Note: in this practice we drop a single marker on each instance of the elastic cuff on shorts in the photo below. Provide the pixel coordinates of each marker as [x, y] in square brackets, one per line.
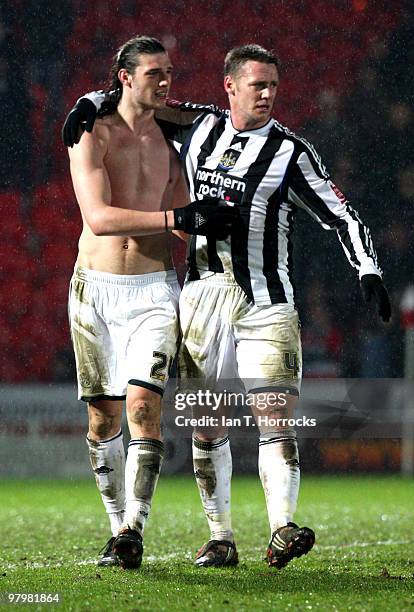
[285, 390]
[90, 398]
[146, 385]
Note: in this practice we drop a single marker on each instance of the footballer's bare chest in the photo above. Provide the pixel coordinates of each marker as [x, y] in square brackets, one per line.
[139, 169]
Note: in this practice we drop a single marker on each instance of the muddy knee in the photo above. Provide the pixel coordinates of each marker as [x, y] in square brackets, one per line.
[104, 420]
[144, 416]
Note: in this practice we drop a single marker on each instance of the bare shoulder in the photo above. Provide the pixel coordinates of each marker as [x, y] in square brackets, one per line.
[93, 144]
[103, 125]
[103, 130]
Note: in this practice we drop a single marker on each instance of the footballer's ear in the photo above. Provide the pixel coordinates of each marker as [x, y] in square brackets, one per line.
[229, 85]
[124, 77]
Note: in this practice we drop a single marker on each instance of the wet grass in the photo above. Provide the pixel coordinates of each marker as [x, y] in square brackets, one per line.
[363, 559]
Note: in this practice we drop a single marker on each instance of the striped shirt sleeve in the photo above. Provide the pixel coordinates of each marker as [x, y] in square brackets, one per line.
[97, 97]
[310, 188]
[179, 120]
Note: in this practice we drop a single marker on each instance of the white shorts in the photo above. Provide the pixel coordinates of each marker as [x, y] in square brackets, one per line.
[226, 338]
[124, 331]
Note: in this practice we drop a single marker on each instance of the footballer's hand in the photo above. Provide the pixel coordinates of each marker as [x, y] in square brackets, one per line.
[373, 287]
[81, 117]
[207, 217]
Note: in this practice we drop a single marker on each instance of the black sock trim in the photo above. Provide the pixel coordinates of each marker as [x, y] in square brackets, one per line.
[209, 446]
[146, 385]
[147, 443]
[118, 435]
[274, 440]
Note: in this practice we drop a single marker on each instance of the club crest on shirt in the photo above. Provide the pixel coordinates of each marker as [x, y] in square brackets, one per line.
[230, 156]
[228, 160]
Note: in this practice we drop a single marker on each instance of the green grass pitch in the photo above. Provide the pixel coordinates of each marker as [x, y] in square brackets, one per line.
[363, 558]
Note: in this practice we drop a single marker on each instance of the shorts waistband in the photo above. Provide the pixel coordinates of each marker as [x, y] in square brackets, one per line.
[217, 278]
[124, 280]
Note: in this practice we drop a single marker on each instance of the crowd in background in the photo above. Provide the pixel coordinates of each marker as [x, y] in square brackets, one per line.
[366, 139]
[347, 86]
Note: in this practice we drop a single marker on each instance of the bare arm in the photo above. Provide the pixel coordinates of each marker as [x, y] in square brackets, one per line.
[93, 192]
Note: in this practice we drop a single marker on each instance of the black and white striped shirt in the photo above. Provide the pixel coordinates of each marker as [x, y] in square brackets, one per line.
[268, 173]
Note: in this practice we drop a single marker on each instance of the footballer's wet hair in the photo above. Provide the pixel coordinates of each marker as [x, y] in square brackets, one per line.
[127, 57]
[237, 57]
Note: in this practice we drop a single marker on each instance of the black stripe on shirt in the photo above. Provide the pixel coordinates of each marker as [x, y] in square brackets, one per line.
[240, 238]
[271, 250]
[291, 216]
[214, 262]
[210, 142]
[193, 273]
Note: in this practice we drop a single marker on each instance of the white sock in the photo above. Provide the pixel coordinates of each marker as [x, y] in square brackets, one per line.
[280, 475]
[142, 469]
[107, 459]
[213, 469]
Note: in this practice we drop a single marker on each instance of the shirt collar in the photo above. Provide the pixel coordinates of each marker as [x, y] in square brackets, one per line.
[262, 131]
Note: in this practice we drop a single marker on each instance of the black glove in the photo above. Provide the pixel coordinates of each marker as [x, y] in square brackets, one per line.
[83, 116]
[372, 286]
[207, 217]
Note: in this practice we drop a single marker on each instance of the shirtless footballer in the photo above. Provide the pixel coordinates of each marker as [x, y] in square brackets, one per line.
[124, 291]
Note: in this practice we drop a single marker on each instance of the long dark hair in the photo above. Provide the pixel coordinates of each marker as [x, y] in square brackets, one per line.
[127, 57]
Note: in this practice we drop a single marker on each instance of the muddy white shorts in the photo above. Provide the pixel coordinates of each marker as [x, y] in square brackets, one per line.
[124, 331]
[226, 338]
